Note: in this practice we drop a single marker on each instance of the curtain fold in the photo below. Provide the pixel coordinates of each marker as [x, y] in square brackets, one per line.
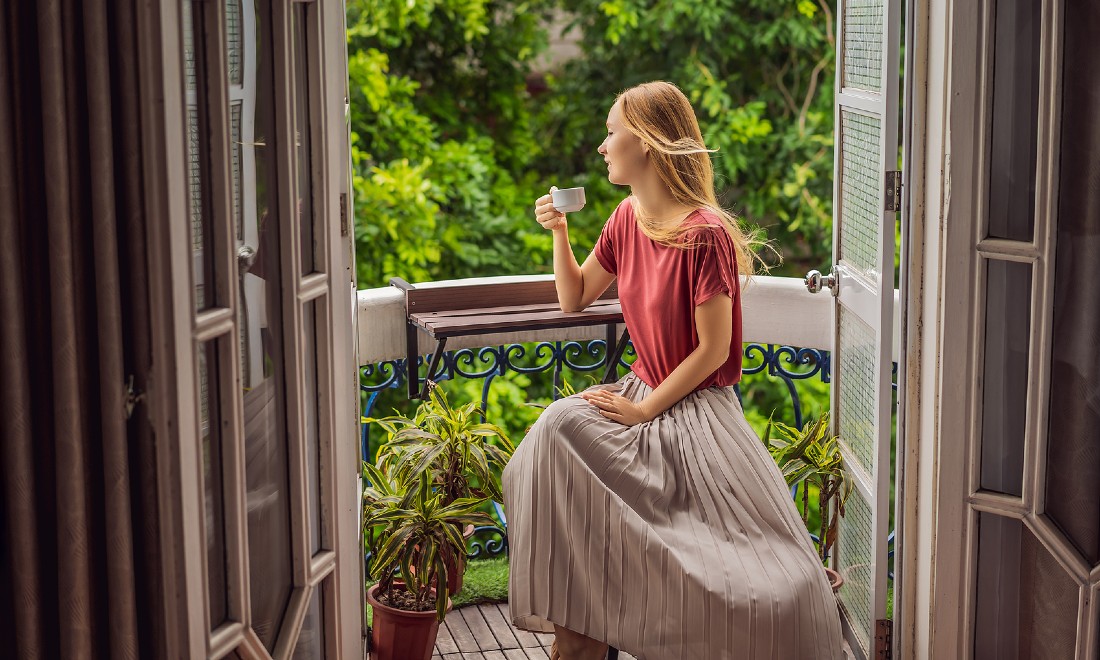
[78, 535]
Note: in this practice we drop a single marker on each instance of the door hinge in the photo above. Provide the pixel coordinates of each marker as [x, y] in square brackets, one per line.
[884, 639]
[343, 214]
[893, 190]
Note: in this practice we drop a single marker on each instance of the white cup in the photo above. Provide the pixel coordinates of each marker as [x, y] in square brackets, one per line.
[568, 200]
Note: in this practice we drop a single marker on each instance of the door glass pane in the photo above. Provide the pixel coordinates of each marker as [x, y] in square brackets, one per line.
[262, 342]
[213, 500]
[1073, 450]
[313, 462]
[202, 256]
[1026, 603]
[303, 94]
[1014, 124]
[1004, 386]
[311, 641]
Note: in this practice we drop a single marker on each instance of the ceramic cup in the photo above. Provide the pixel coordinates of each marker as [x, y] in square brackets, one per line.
[568, 199]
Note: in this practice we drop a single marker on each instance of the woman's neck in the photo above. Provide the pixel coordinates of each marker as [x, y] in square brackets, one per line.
[656, 202]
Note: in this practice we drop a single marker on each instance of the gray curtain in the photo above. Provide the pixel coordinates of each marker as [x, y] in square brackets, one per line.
[78, 567]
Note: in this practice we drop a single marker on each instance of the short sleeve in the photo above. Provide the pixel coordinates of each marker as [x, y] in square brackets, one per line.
[714, 266]
[605, 246]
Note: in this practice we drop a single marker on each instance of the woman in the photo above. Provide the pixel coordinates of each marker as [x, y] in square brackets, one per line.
[647, 514]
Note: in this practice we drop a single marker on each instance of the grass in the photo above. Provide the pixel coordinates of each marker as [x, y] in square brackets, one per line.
[485, 581]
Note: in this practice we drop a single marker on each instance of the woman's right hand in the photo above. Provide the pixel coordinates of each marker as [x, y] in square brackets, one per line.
[546, 214]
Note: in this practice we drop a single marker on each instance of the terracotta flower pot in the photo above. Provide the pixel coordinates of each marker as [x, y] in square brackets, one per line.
[398, 634]
[455, 573]
[835, 579]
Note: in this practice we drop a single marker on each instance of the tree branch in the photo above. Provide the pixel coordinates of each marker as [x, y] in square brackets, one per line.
[818, 68]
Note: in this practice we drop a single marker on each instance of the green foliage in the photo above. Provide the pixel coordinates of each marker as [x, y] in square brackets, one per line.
[462, 457]
[760, 76]
[409, 530]
[811, 456]
[485, 581]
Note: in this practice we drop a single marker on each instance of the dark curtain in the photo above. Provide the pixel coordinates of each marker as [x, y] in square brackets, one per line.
[78, 567]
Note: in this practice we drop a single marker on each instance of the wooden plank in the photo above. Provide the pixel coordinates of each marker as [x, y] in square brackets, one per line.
[529, 314]
[460, 632]
[525, 638]
[475, 325]
[485, 638]
[440, 298]
[515, 654]
[494, 655]
[537, 653]
[500, 626]
[444, 643]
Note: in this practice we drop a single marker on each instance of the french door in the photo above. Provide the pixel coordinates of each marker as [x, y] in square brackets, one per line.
[865, 198]
[267, 534]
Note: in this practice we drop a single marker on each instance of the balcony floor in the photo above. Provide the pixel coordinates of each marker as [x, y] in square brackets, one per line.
[484, 631]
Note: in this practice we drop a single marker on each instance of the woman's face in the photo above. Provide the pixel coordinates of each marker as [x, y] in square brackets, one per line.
[623, 151]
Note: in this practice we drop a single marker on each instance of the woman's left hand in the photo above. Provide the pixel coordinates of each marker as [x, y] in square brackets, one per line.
[616, 407]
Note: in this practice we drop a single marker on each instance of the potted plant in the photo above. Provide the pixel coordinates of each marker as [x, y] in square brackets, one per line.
[408, 530]
[462, 456]
[812, 456]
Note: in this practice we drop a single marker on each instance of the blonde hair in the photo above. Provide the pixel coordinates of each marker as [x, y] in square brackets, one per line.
[662, 117]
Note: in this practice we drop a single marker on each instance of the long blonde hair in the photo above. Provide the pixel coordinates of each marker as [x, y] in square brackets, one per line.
[662, 117]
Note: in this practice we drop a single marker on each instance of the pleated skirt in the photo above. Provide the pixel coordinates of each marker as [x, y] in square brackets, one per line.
[675, 538]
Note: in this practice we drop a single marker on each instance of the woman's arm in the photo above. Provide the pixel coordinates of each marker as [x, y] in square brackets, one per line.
[714, 324]
[578, 286]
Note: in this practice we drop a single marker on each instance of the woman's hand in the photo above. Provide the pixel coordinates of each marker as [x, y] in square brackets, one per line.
[547, 215]
[617, 407]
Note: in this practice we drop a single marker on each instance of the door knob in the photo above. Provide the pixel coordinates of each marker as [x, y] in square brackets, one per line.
[246, 256]
[815, 281]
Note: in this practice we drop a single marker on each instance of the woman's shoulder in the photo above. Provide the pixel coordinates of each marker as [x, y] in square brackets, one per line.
[704, 224]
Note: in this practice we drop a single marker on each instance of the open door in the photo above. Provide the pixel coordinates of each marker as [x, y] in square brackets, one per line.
[261, 468]
[865, 199]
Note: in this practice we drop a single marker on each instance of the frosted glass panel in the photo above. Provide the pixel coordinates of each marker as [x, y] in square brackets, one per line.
[861, 185]
[856, 377]
[863, 44]
[855, 563]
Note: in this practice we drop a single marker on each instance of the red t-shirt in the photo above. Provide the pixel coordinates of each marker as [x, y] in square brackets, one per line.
[659, 287]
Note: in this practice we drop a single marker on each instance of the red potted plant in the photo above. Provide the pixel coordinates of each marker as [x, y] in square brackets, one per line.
[462, 456]
[408, 529]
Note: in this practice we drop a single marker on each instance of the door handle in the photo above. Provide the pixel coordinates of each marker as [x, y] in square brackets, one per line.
[815, 281]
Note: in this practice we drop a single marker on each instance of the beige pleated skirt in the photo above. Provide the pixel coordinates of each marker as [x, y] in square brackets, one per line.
[672, 539]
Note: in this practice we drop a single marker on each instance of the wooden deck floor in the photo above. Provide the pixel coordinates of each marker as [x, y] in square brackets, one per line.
[485, 632]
